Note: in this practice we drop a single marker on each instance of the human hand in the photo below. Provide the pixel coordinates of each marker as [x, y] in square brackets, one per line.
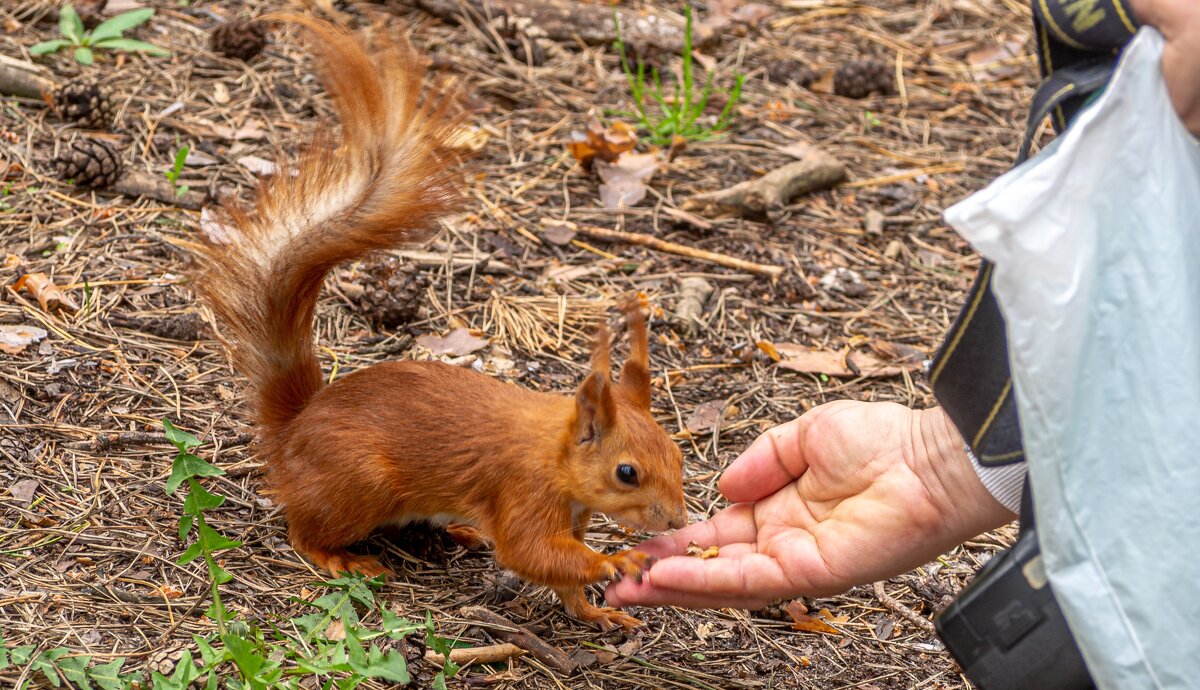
[848, 493]
[1179, 22]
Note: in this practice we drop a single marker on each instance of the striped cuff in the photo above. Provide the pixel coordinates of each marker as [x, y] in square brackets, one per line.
[1004, 482]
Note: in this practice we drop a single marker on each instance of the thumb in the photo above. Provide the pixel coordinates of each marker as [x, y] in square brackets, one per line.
[774, 460]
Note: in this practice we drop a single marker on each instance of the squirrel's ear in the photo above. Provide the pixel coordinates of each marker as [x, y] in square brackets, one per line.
[595, 409]
[635, 375]
[594, 406]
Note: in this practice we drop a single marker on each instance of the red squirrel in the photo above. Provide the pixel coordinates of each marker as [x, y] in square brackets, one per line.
[405, 441]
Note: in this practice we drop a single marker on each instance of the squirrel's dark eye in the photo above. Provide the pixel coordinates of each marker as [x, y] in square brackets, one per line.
[627, 474]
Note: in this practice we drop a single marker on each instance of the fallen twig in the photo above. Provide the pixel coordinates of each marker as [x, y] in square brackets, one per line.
[902, 610]
[574, 21]
[24, 79]
[135, 183]
[511, 632]
[465, 656]
[105, 442]
[817, 170]
[681, 249]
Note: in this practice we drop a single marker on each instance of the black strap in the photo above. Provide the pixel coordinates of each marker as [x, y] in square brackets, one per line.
[1078, 42]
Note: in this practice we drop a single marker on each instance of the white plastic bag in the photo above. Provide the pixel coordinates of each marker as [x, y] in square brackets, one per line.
[1097, 250]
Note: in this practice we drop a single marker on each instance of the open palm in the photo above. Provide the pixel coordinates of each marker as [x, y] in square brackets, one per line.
[846, 494]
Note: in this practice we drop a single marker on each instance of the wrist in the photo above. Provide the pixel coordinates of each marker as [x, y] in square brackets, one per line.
[941, 460]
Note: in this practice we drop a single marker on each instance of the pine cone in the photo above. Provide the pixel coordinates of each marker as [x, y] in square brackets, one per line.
[90, 163]
[861, 78]
[392, 291]
[791, 71]
[86, 103]
[240, 39]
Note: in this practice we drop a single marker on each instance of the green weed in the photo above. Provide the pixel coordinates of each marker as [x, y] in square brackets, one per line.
[680, 116]
[107, 36]
[177, 169]
[332, 645]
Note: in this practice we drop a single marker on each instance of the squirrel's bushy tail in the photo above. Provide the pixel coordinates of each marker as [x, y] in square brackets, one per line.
[382, 183]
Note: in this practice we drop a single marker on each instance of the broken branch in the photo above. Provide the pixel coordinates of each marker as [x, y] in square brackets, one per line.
[24, 79]
[681, 249]
[817, 170]
[135, 183]
[521, 637]
[465, 656]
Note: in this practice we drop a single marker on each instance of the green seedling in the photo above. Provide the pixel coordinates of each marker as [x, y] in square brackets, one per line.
[177, 170]
[679, 116]
[107, 36]
[346, 640]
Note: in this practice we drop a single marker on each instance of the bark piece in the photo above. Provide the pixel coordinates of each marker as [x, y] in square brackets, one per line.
[511, 632]
[566, 21]
[817, 170]
[24, 79]
[682, 250]
[137, 183]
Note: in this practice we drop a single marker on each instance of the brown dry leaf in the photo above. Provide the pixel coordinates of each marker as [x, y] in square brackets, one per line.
[14, 339]
[23, 491]
[336, 630]
[824, 84]
[606, 655]
[803, 621]
[812, 361]
[559, 232]
[705, 416]
[995, 61]
[770, 350]
[604, 144]
[10, 261]
[168, 591]
[630, 647]
[625, 180]
[897, 353]
[457, 343]
[49, 295]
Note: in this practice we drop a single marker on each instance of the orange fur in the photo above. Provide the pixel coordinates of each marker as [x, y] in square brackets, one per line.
[406, 441]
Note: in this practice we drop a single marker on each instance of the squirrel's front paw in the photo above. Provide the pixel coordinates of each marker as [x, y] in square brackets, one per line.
[629, 564]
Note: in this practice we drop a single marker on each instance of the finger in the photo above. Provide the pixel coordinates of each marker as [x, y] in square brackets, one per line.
[629, 593]
[732, 525]
[752, 575]
[769, 464]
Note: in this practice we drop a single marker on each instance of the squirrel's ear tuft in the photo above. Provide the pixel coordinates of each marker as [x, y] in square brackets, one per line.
[635, 375]
[595, 409]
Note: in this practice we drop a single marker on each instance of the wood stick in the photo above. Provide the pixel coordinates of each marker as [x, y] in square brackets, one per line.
[756, 198]
[465, 656]
[24, 79]
[905, 612]
[521, 637]
[568, 21]
[137, 183]
[681, 249]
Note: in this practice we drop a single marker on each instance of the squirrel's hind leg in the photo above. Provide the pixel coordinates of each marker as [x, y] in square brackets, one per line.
[339, 562]
[468, 536]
